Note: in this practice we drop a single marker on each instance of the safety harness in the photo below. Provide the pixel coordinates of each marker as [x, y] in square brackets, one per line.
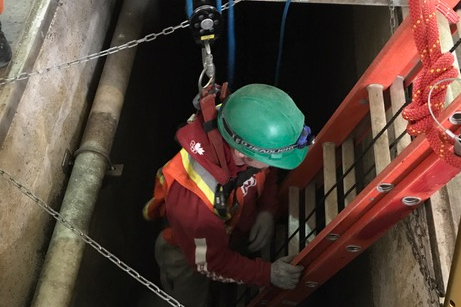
[209, 101]
[206, 23]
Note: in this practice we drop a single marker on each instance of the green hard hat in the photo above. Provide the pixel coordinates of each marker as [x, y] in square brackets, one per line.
[263, 122]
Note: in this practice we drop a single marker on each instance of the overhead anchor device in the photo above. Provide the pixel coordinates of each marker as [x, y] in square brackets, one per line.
[206, 23]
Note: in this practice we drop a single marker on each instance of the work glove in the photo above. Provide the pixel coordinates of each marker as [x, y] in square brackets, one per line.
[261, 232]
[285, 275]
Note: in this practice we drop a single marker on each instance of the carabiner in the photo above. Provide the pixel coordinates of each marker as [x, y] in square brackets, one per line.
[208, 68]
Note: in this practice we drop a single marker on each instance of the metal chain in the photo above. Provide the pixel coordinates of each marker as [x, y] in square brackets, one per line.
[112, 50]
[416, 232]
[94, 56]
[154, 288]
[393, 20]
[56, 215]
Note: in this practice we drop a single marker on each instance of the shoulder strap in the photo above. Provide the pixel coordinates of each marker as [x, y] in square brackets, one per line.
[223, 192]
[241, 178]
[208, 108]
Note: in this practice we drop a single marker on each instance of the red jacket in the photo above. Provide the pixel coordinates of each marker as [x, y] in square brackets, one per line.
[185, 195]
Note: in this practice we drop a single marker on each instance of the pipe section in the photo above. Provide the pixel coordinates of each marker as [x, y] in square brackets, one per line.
[61, 266]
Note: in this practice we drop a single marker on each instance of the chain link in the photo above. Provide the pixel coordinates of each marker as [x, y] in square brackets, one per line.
[56, 215]
[133, 273]
[416, 232]
[148, 38]
[94, 56]
[393, 20]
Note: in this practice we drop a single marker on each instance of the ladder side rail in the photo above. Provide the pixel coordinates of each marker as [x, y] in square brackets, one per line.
[400, 261]
[421, 177]
[417, 151]
[398, 57]
[419, 185]
[397, 171]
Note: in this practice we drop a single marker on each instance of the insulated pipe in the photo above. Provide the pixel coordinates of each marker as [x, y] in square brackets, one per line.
[60, 270]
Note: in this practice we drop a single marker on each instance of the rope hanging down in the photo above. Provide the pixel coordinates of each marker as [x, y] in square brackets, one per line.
[437, 73]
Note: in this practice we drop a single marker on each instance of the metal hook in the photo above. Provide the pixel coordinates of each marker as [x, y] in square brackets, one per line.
[208, 67]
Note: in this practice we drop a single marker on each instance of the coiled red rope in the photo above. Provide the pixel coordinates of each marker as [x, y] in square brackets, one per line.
[437, 66]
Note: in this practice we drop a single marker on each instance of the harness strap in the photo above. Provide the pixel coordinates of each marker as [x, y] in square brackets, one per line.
[208, 108]
[223, 192]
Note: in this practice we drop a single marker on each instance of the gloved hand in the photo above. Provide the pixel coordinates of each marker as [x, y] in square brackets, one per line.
[261, 232]
[285, 275]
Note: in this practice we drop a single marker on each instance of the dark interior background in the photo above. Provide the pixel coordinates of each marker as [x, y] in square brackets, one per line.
[317, 70]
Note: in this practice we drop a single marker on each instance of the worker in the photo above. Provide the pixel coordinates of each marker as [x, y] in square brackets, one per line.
[5, 48]
[262, 130]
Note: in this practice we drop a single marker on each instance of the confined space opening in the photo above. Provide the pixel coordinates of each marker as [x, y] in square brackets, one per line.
[317, 71]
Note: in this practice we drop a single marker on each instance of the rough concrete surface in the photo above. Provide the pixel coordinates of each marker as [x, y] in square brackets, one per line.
[48, 111]
[47, 122]
[394, 271]
[14, 17]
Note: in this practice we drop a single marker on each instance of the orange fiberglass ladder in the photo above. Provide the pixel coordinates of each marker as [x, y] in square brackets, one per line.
[415, 175]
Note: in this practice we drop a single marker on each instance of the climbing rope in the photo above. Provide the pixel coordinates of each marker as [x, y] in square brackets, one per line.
[230, 45]
[281, 41]
[432, 82]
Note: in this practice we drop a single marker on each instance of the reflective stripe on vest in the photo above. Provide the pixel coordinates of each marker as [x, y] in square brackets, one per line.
[190, 174]
[198, 174]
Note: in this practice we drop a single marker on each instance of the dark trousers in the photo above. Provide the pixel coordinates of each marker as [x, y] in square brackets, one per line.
[178, 278]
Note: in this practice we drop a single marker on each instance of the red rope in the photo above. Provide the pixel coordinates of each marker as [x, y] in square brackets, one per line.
[436, 67]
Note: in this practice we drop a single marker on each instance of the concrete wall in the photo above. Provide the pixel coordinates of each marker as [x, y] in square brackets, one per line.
[42, 118]
[393, 271]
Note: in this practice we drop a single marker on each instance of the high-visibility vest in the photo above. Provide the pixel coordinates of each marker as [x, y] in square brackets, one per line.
[194, 177]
